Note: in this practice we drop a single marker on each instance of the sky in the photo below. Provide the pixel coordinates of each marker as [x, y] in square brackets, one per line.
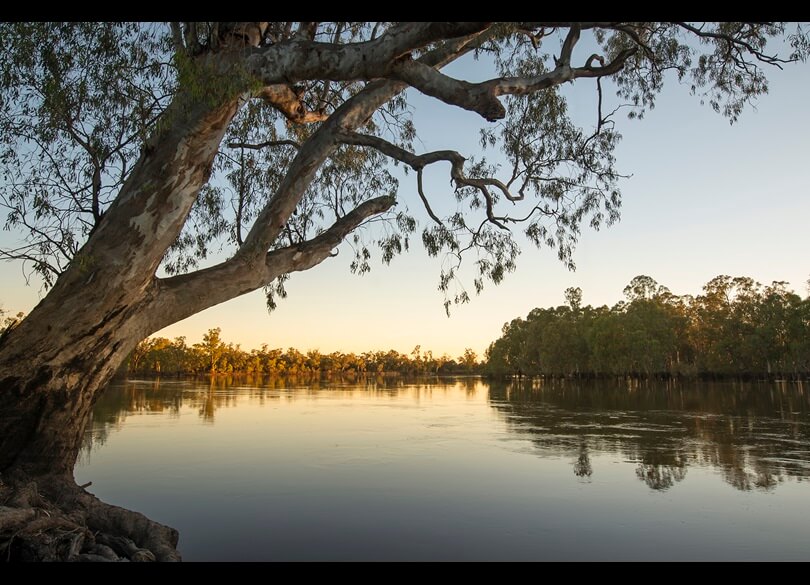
[705, 198]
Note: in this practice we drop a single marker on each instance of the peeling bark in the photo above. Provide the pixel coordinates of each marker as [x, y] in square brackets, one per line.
[302, 59]
[287, 100]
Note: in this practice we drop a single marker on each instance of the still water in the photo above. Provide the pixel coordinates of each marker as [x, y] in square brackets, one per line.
[460, 469]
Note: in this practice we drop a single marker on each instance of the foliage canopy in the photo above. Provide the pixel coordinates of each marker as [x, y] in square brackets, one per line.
[81, 102]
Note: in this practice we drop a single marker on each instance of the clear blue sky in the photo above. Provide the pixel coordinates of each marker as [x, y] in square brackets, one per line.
[705, 198]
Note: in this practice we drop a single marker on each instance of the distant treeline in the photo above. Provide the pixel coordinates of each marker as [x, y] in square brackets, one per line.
[159, 355]
[736, 328]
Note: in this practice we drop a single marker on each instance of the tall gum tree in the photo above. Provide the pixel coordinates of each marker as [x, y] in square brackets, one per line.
[131, 150]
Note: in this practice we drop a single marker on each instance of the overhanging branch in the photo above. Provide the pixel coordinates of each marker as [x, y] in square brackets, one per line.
[300, 59]
[389, 56]
[184, 295]
[418, 162]
[307, 254]
[482, 97]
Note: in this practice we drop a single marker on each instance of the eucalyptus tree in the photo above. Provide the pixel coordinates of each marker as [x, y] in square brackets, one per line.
[131, 151]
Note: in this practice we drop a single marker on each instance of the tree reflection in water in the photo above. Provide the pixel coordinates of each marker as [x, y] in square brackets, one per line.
[755, 435]
[582, 466]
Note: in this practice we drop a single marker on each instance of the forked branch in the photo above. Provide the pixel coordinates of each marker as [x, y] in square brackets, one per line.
[287, 100]
[419, 162]
[482, 98]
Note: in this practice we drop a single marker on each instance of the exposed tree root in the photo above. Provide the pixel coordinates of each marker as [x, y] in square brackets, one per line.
[53, 519]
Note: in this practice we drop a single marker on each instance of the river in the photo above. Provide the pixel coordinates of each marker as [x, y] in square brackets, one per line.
[459, 469]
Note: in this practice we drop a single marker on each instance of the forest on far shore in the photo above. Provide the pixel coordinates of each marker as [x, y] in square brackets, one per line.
[736, 328]
[159, 355]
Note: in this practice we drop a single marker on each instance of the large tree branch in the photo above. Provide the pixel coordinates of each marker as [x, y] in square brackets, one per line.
[476, 97]
[299, 60]
[482, 98]
[187, 294]
[568, 45]
[253, 266]
[390, 57]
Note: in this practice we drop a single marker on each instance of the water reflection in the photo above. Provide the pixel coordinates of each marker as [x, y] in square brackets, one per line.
[756, 435]
[582, 466]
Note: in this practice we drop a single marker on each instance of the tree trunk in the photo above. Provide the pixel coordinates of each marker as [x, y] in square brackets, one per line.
[54, 365]
[51, 373]
[46, 396]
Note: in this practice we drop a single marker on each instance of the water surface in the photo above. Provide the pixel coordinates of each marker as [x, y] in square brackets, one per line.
[460, 469]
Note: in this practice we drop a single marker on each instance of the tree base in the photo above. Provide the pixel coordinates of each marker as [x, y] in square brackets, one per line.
[53, 519]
